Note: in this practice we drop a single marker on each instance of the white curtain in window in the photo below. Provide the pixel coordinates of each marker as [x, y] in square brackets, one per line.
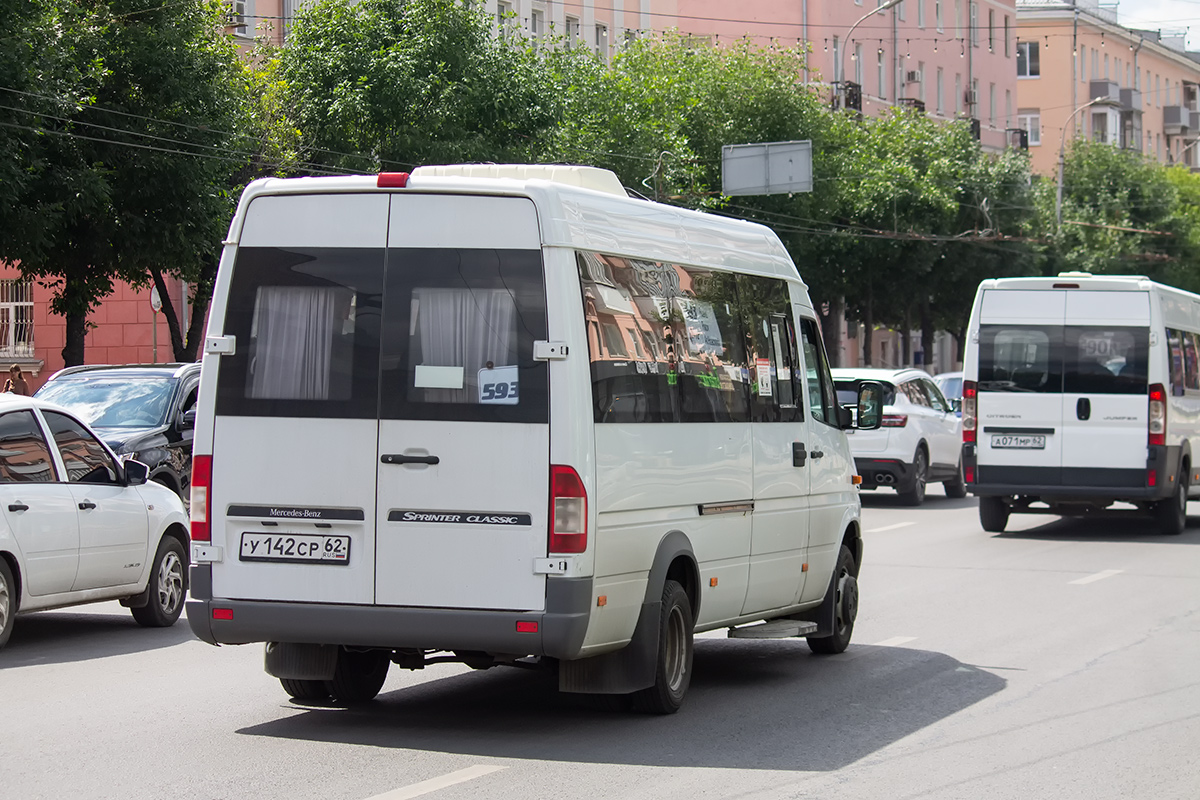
[294, 330]
[464, 328]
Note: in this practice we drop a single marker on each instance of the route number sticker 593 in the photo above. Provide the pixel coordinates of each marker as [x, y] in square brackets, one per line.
[498, 386]
[295, 548]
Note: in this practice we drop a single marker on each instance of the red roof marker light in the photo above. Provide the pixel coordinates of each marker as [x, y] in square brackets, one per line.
[392, 180]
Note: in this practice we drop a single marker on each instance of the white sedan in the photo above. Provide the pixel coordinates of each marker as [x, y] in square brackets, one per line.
[78, 525]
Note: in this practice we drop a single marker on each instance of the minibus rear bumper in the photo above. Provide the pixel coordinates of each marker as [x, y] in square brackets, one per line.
[1078, 484]
[557, 632]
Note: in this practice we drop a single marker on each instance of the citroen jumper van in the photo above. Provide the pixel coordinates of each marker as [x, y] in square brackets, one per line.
[1081, 392]
[510, 414]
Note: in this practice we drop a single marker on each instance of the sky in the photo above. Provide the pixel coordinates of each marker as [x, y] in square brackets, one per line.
[1167, 15]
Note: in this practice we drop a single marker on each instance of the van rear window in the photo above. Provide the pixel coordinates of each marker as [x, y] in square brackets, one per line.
[1073, 359]
[1019, 358]
[1105, 360]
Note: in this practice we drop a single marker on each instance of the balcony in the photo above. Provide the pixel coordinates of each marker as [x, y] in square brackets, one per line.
[1175, 120]
[1131, 100]
[1107, 90]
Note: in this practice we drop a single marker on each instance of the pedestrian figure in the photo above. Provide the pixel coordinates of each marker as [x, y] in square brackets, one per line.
[16, 382]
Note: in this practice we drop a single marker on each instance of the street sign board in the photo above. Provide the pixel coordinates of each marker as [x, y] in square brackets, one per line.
[767, 168]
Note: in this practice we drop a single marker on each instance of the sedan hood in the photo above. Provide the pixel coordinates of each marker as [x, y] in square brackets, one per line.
[124, 440]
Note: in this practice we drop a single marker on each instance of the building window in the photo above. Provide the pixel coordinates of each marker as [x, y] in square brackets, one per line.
[921, 81]
[920, 13]
[992, 104]
[1029, 62]
[1106, 66]
[503, 12]
[937, 15]
[1030, 121]
[1095, 64]
[16, 318]
[1083, 63]
[958, 19]
[941, 79]
[901, 11]
[572, 31]
[536, 24]
[858, 68]
[1007, 108]
[991, 31]
[1006, 37]
[974, 25]
[881, 72]
[958, 95]
[241, 17]
[602, 41]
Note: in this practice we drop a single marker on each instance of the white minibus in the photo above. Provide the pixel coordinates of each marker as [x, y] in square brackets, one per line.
[1081, 392]
[511, 415]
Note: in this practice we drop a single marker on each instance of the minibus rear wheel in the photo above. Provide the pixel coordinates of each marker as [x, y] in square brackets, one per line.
[304, 690]
[359, 675]
[1172, 512]
[673, 670]
[993, 514]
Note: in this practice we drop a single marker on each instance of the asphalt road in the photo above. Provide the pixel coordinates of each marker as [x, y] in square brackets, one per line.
[1058, 660]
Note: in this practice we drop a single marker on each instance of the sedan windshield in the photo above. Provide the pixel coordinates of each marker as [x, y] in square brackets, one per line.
[113, 403]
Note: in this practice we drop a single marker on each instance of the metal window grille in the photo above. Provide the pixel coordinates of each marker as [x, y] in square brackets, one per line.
[16, 318]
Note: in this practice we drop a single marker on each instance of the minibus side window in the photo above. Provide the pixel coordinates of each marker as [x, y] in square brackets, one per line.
[822, 401]
[766, 312]
[1175, 348]
[1190, 365]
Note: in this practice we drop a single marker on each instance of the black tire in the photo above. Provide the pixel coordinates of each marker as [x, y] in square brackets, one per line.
[1172, 512]
[993, 514]
[8, 602]
[673, 670]
[168, 585]
[957, 488]
[844, 586]
[915, 494]
[305, 690]
[359, 675]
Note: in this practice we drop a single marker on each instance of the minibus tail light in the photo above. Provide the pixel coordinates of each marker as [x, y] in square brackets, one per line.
[568, 511]
[968, 411]
[200, 510]
[1157, 429]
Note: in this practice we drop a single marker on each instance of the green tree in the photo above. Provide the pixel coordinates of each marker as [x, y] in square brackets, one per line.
[126, 170]
[388, 84]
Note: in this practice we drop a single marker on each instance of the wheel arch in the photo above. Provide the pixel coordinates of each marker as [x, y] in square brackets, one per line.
[674, 560]
[852, 540]
[11, 560]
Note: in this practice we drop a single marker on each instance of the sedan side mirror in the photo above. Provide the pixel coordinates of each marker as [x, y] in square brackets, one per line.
[187, 420]
[870, 405]
[136, 473]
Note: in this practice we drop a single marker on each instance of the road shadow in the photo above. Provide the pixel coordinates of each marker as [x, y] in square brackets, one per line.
[886, 498]
[752, 705]
[59, 637]
[1116, 526]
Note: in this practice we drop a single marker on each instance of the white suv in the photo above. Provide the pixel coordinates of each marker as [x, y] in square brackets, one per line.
[920, 439]
[77, 525]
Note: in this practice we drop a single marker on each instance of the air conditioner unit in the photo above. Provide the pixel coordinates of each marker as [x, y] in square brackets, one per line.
[969, 97]
[912, 76]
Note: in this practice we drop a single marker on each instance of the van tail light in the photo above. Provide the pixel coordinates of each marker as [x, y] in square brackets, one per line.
[894, 420]
[968, 411]
[568, 511]
[200, 510]
[1157, 427]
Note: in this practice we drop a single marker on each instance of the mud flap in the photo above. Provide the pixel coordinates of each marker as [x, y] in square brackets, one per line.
[824, 615]
[301, 662]
[624, 671]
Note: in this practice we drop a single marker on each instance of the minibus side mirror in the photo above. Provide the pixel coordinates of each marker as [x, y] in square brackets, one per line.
[870, 405]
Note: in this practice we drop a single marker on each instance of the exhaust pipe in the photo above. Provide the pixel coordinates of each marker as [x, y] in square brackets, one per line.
[884, 477]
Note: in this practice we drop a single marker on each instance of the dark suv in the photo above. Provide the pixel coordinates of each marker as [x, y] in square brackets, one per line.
[140, 411]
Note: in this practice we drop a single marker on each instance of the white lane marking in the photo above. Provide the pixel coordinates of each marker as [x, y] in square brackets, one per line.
[1099, 576]
[895, 641]
[891, 527]
[434, 784]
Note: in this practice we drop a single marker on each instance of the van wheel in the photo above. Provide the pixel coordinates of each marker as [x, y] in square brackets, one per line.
[957, 488]
[916, 493]
[993, 514]
[673, 672]
[1172, 512]
[8, 602]
[844, 586]
[304, 690]
[166, 587]
[358, 676]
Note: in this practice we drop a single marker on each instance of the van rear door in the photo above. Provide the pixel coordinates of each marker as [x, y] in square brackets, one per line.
[1104, 410]
[464, 433]
[1020, 403]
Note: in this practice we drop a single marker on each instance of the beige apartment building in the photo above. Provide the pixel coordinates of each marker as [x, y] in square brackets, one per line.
[1070, 54]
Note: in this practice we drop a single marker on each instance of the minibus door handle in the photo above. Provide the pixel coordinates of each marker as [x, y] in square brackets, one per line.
[799, 455]
[1083, 408]
[400, 458]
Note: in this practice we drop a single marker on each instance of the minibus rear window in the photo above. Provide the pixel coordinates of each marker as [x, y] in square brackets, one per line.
[1019, 358]
[1105, 360]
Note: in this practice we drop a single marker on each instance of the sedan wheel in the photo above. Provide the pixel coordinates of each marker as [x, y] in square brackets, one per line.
[166, 587]
[8, 602]
[916, 493]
